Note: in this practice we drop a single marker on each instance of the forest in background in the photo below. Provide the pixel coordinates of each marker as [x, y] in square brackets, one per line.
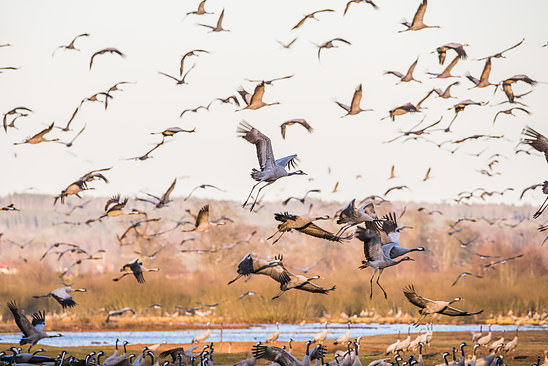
[196, 271]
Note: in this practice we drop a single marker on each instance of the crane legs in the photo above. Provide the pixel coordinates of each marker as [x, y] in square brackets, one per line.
[541, 209]
[371, 283]
[257, 195]
[249, 196]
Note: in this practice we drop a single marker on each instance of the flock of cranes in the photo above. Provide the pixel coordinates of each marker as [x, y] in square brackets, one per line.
[380, 236]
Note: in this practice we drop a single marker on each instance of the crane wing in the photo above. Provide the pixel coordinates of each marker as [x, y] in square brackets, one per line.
[21, 320]
[371, 244]
[265, 155]
[451, 311]
[415, 298]
[274, 354]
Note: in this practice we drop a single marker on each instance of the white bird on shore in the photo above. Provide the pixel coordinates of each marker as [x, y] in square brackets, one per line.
[202, 336]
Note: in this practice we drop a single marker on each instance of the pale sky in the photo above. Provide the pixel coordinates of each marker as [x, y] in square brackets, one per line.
[154, 36]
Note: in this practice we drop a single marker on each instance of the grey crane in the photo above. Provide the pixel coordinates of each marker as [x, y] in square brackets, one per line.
[62, 296]
[428, 306]
[39, 137]
[390, 236]
[352, 215]
[255, 101]
[483, 81]
[118, 313]
[354, 107]
[300, 282]
[70, 46]
[417, 23]
[446, 94]
[219, 26]
[271, 169]
[357, 2]
[251, 264]
[103, 51]
[446, 73]
[32, 333]
[457, 47]
[201, 9]
[291, 122]
[311, 16]
[510, 112]
[375, 256]
[408, 76]
[135, 268]
[163, 201]
[329, 44]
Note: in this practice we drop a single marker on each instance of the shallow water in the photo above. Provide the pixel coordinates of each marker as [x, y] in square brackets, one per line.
[251, 334]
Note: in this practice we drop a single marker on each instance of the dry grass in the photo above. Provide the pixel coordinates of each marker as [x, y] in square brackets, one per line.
[188, 279]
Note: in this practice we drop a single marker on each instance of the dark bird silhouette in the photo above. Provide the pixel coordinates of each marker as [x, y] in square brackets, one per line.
[188, 54]
[271, 81]
[287, 45]
[70, 46]
[417, 23]
[219, 26]
[500, 54]
[447, 92]
[299, 121]
[446, 73]
[329, 44]
[80, 185]
[418, 132]
[398, 111]
[202, 186]
[102, 52]
[301, 200]
[163, 201]
[457, 47]
[311, 16]
[18, 112]
[536, 140]
[395, 188]
[501, 261]
[408, 76]
[534, 186]
[509, 111]
[194, 110]
[459, 107]
[357, 2]
[226, 100]
[544, 205]
[136, 269]
[39, 137]
[354, 107]
[118, 313]
[178, 81]
[146, 155]
[428, 306]
[172, 131]
[10, 207]
[71, 142]
[201, 9]
[464, 274]
[483, 81]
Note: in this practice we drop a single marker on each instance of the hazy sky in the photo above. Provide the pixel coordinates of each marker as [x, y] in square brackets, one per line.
[154, 36]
